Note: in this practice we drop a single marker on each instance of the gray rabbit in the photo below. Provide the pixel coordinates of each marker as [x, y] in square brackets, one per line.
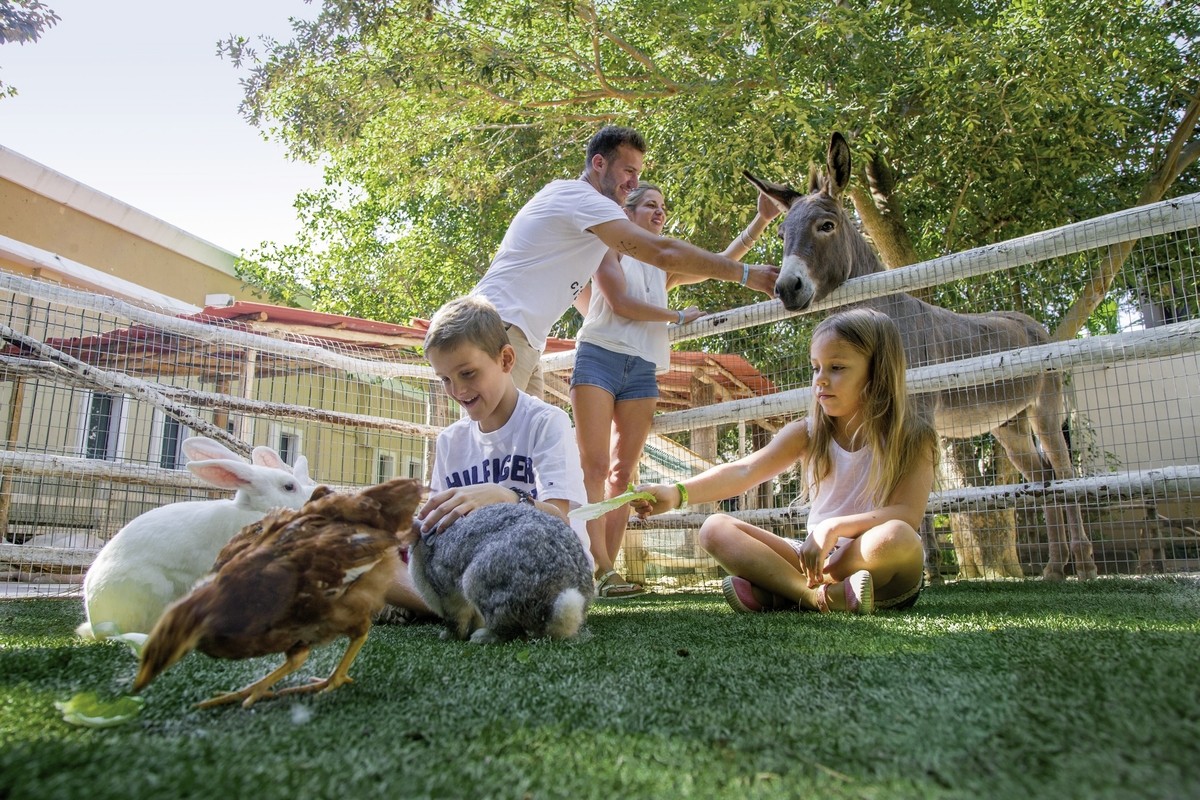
[504, 572]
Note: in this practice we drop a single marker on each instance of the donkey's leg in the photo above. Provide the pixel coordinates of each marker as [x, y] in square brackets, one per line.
[1016, 437]
[1047, 418]
[933, 554]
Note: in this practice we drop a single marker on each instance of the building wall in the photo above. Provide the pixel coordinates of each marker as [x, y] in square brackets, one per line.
[52, 212]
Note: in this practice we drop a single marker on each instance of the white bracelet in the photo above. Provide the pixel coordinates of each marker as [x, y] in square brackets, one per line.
[745, 274]
[680, 313]
[747, 241]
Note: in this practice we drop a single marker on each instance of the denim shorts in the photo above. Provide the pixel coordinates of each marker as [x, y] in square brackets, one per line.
[624, 377]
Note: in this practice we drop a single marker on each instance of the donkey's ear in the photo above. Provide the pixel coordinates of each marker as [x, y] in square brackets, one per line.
[782, 195]
[837, 165]
[816, 181]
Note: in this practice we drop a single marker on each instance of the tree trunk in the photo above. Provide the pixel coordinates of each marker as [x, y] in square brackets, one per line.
[985, 542]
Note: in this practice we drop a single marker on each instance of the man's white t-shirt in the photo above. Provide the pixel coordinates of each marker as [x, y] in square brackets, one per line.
[548, 256]
[606, 328]
[535, 451]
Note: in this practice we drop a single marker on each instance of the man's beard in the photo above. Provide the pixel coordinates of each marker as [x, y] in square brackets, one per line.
[608, 187]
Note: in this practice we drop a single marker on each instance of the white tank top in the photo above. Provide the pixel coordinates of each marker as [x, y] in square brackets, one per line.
[844, 490]
[606, 328]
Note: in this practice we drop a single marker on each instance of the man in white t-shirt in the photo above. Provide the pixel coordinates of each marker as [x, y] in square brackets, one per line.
[556, 241]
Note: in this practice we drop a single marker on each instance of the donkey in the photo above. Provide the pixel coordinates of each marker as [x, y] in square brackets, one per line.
[822, 249]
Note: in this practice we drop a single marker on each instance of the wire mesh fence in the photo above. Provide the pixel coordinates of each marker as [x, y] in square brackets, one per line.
[97, 395]
[1127, 385]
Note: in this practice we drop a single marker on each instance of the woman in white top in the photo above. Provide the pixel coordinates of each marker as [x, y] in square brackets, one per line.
[621, 347]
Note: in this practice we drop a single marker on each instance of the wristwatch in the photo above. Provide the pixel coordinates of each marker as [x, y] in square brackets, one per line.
[524, 496]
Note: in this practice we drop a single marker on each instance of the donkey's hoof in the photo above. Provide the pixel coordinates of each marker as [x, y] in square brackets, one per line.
[1087, 573]
[1053, 574]
[933, 577]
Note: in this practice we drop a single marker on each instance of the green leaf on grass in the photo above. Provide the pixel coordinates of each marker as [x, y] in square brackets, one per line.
[90, 711]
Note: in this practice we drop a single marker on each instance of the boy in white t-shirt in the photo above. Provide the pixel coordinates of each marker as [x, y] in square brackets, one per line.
[510, 448]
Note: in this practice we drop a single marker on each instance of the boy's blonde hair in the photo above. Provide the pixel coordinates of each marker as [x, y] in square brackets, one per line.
[892, 427]
[467, 320]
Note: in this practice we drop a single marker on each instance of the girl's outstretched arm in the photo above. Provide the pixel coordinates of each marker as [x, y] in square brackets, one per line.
[732, 478]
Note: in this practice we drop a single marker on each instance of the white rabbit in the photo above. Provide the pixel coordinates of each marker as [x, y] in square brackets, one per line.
[157, 557]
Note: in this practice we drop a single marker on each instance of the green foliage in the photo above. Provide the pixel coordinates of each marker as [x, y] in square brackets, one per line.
[437, 120]
[997, 690]
[23, 21]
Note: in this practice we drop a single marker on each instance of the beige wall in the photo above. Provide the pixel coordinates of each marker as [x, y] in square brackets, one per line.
[52, 212]
[1142, 414]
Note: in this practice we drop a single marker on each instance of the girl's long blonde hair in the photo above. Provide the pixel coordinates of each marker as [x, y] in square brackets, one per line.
[891, 426]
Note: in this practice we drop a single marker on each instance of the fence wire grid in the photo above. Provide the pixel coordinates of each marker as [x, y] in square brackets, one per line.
[97, 395]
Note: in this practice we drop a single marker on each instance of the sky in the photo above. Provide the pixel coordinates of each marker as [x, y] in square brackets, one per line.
[130, 98]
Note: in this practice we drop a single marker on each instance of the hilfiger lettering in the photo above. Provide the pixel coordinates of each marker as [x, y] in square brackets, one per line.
[518, 469]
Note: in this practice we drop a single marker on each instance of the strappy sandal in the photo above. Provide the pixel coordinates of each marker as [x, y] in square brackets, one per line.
[860, 594]
[612, 586]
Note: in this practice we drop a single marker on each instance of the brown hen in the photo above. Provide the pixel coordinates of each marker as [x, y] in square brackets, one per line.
[295, 580]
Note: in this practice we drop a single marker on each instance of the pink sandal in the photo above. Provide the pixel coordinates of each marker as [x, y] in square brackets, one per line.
[860, 594]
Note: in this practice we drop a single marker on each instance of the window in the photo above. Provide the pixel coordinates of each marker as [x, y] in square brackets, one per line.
[289, 446]
[103, 426]
[416, 469]
[169, 454]
[385, 467]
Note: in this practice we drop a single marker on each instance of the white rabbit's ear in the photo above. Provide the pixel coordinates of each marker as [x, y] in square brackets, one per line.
[224, 473]
[300, 470]
[266, 457]
[202, 448]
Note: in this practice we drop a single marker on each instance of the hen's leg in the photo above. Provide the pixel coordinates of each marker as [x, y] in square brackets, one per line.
[249, 695]
[340, 674]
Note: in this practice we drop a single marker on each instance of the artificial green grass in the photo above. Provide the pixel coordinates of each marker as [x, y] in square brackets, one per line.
[990, 690]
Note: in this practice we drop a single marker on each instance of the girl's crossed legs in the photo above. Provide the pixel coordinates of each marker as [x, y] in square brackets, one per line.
[891, 552]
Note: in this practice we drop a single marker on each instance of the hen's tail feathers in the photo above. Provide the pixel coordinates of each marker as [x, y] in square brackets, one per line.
[570, 610]
[175, 635]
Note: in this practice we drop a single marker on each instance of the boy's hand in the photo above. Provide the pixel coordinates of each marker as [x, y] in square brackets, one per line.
[665, 498]
[445, 508]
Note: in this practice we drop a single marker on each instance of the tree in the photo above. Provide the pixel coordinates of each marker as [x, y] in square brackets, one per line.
[971, 123]
[438, 119]
[23, 21]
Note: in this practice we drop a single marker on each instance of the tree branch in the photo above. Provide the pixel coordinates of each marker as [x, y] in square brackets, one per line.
[1179, 154]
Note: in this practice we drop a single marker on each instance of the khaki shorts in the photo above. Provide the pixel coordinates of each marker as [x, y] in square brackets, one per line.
[527, 373]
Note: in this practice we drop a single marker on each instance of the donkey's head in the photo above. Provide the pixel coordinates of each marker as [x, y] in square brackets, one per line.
[819, 240]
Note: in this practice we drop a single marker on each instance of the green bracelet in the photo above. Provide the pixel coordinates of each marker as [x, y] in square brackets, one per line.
[683, 497]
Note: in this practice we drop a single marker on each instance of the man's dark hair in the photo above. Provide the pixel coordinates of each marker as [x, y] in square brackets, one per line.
[610, 137]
